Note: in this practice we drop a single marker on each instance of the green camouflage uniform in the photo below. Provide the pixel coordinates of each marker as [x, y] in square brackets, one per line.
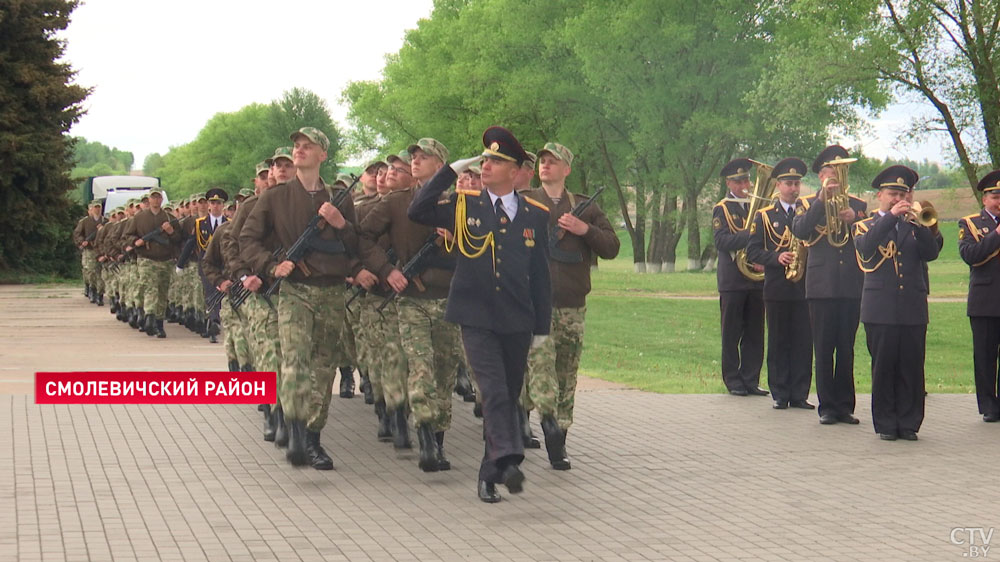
[390, 362]
[234, 334]
[432, 346]
[310, 326]
[368, 345]
[262, 332]
[554, 365]
[91, 271]
[154, 279]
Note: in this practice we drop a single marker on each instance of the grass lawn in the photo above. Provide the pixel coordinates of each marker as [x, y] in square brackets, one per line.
[637, 337]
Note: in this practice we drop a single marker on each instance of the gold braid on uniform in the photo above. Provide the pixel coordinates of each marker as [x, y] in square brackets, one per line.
[202, 242]
[729, 217]
[887, 252]
[780, 241]
[976, 236]
[470, 245]
[820, 230]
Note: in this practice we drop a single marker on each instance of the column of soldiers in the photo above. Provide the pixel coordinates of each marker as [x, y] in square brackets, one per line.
[821, 264]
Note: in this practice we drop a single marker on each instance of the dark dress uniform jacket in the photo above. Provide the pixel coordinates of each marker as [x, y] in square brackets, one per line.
[514, 295]
[896, 291]
[728, 242]
[831, 273]
[979, 244]
[768, 227]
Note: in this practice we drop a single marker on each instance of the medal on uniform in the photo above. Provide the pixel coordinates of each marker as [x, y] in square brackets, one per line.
[529, 237]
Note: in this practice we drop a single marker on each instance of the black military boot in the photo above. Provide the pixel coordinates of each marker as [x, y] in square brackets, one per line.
[530, 441]
[428, 448]
[212, 328]
[93, 295]
[400, 429]
[160, 333]
[269, 428]
[347, 382]
[366, 388]
[296, 453]
[234, 367]
[384, 422]
[150, 325]
[477, 410]
[121, 315]
[133, 317]
[443, 462]
[248, 368]
[555, 443]
[463, 385]
[280, 428]
[170, 312]
[114, 304]
[86, 290]
[189, 319]
[140, 319]
[100, 299]
[317, 456]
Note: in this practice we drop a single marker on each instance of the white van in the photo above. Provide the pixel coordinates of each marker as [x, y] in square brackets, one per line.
[116, 190]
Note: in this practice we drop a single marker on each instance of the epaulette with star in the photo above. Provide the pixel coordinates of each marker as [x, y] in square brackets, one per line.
[531, 201]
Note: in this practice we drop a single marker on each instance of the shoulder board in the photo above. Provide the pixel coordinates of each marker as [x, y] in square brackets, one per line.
[721, 203]
[768, 208]
[531, 201]
[970, 217]
[471, 192]
[857, 198]
[199, 220]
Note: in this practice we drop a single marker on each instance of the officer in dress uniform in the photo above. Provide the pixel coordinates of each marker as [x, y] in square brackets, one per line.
[205, 228]
[892, 250]
[740, 298]
[979, 246]
[833, 290]
[501, 293]
[789, 343]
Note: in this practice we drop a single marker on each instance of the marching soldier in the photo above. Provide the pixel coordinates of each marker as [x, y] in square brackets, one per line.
[891, 250]
[789, 343]
[979, 245]
[741, 300]
[363, 202]
[833, 288]
[500, 294]
[553, 365]
[205, 227]
[84, 236]
[152, 235]
[346, 181]
[311, 304]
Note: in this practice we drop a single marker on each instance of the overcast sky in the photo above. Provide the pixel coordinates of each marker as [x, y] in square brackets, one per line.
[160, 69]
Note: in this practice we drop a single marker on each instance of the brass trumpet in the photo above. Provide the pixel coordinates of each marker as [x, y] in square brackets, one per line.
[837, 233]
[922, 213]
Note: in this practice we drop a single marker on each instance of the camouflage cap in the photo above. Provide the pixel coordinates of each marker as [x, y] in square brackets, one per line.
[557, 150]
[313, 134]
[403, 156]
[431, 147]
[374, 162]
[261, 166]
[168, 207]
[345, 179]
[245, 192]
[198, 197]
[476, 169]
[131, 202]
[229, 204]
[283, 152]
[95, 203]
[529, 162]
[157, 190]
[145, 197]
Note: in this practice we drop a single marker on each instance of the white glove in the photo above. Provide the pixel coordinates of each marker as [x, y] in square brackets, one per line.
[537, 341]
[460, 166]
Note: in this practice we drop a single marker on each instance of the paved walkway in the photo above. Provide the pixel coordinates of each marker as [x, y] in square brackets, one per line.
[655, 477]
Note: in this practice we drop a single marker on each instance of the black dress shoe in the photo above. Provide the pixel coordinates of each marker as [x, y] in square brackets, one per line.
[443, 462]
[848, 419]
[477, 410]
[555, 439]
[757, 391]
[318, 458]
[529, 439]
[907, 435]
[428, 449]
[737, 392]
[801, 404]
[991, 418]
[280, 428]
[779, 405]
[887, 436]
[296, 454]
[488, 492]
[828, 419]
[513, 478]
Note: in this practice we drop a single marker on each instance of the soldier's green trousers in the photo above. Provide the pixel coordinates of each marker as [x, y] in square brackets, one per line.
[366, 347]
[154, 278]
[390, 363]
[310, 326]
[235, 334]
[432, 346]
[554, 365]
[91, 270]
[263, 336]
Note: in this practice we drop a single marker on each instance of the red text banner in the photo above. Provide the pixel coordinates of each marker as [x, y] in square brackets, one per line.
[156, 387]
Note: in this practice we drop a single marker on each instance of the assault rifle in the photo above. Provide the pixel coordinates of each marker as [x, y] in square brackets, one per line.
[309, 239]
[417, 264]
[557, 232]
[156, 235]
[360, 291]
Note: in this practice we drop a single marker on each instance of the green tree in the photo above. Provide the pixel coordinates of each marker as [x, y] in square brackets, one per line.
[38, 105]
[152, 164]
[88, 154]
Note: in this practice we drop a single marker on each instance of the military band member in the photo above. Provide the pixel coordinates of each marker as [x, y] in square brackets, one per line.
[979, 246]
[205, 227]
[84, 236]
[741, 300]
[789, 342]
[311, 303]
[891, 250]
[500, 294]
[220, 275]
[833, 290]
[554, 364]
[154, 257]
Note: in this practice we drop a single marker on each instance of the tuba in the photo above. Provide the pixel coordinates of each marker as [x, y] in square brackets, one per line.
[763, 188]
[837, 233]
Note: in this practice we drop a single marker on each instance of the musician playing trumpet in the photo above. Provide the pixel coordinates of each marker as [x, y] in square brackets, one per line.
[892, 251]
[789, 341]
[833, 287]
